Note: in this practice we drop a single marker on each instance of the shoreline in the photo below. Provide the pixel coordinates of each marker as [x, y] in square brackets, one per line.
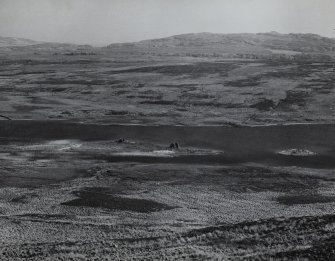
[228, 125]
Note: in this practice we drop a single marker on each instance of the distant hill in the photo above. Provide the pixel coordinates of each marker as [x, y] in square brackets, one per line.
[13, 42]
[271, 43]
[21, 45]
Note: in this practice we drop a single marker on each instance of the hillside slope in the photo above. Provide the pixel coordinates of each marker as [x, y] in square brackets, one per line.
[260, 45]
[13, 41]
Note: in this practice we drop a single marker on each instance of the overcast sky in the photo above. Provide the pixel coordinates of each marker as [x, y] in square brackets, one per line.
[100, 22]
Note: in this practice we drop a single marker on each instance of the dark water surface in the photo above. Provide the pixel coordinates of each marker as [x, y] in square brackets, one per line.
[243, 144]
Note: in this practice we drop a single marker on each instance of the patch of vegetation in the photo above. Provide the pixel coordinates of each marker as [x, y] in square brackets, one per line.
[293, 97]
[247, 82]
[160, 102]
[28, 108]
[193, 70]
[62, 81]
[98, 198]
[320, 250]
[264, 105]
[117, 113]
[291, 200]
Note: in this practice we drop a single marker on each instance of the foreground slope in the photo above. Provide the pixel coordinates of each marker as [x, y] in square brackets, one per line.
[73, 192]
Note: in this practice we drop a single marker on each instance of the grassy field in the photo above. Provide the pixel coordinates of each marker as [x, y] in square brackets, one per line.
[143, 89]
[137, 211]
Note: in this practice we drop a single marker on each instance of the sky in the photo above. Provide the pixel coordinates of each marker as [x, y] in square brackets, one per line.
[101, 22]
